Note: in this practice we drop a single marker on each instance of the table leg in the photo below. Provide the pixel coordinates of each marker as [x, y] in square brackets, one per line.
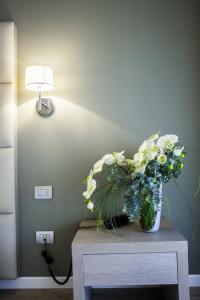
[78, 283]
[183, 285]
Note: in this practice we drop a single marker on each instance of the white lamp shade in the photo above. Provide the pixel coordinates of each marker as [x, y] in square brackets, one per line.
[39, 78]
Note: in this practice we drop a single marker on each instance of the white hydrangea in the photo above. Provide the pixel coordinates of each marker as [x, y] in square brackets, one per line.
[167, 142]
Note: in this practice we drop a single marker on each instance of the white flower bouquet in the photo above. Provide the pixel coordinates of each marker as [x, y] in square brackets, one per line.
[133, 184]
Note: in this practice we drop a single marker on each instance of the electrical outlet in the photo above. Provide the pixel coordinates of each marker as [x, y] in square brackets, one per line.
[45, 235]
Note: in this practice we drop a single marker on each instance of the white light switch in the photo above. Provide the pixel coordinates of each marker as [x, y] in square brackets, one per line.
[43, 192]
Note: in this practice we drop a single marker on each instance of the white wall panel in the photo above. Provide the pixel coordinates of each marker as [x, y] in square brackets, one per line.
[8, 257]
[7, 45]
[7, 111]
[8, 223]
[7, 180]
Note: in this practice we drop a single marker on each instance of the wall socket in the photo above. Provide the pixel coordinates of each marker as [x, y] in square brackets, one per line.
[42, 235]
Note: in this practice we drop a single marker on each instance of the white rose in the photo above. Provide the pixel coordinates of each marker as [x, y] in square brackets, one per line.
[177, 152]
[98, 166]
[90, 205]
[167, 142]
[161, 159]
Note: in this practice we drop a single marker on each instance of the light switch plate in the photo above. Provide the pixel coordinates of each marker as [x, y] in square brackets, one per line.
[43, 192]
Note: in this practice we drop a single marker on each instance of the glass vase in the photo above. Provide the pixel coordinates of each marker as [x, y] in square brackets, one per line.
[150, 212]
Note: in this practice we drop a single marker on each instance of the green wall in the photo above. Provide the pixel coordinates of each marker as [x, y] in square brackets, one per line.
[123, 69]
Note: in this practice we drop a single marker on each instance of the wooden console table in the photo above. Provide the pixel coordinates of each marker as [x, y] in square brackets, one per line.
[130, 257]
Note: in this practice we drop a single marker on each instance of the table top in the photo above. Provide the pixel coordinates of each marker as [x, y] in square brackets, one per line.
[126, 234]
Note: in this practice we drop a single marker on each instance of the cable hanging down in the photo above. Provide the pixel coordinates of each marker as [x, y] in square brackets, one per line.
[49, 260]
[119, 221]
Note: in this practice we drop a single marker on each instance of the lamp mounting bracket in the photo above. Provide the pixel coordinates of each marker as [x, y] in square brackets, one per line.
[45, 106]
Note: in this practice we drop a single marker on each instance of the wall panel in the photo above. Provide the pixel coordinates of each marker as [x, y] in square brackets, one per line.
[8, 165]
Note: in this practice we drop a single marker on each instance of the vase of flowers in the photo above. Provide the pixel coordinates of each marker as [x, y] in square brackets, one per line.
[133, 186]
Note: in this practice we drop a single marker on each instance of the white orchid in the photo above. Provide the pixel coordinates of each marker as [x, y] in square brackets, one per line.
[120, 158]
[86, 195]
[90, 205]
[140, 169]
[138, 158]
[91, 186]
[153, 137]
[143, 147]
[109, 159]
[161, 159]
[151, 150]
[115, 157]
[178, 152]
[89, 177]
[98, 166]
[145, 144]
[154, 148]
[129, 162]
[147, 151]
[167, 142]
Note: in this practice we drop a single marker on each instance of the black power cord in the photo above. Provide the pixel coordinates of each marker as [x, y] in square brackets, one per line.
[49, 260]
[117, 221]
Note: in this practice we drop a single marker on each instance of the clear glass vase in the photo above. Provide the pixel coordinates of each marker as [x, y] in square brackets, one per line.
[150, 212]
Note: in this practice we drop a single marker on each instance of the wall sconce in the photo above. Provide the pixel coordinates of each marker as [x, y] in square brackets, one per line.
[39, 79]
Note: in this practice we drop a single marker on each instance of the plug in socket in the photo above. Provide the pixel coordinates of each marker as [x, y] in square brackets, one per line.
[41, 236]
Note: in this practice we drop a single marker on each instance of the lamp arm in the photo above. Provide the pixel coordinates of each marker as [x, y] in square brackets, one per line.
[41, 102]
